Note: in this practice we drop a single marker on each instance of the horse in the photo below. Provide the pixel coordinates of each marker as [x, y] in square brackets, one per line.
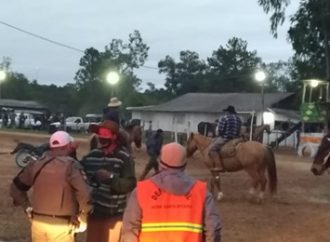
[206, 128]
[257, 132]
[127, 135]
[134, 132]
[322, 158]
[251, 156]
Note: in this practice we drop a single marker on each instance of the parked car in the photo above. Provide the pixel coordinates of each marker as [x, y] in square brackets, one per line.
[71, 124]
[75, 124]
[92, 119]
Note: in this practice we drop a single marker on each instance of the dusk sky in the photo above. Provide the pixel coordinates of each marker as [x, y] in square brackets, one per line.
[168, 27]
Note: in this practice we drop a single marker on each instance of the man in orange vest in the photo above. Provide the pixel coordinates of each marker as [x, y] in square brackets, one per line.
[171, 206]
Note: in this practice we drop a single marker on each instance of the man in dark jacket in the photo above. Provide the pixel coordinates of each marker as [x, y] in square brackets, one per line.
[154, 145]
[60, 197]
[171, 206]
[110, 170]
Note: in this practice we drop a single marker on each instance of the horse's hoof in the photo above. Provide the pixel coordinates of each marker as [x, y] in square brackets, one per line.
[219, 196]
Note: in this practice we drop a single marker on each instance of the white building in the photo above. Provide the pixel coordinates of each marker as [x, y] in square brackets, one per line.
[184, 113]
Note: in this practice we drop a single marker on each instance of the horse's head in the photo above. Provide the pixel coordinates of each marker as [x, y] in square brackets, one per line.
[322, 158]
[191, 146]
[267, 128]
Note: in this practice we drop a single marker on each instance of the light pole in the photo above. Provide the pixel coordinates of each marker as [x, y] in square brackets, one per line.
[3, 76]
[260, 77]
[112, 78]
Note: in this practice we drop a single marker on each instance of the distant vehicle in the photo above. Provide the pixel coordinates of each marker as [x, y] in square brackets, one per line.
[92, 119]
[71, 124]
[75, 124]
[79, 124]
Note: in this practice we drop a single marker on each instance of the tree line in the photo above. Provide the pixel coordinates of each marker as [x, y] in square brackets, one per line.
[230, 68]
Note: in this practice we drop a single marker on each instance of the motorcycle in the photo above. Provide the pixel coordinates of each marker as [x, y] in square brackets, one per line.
[25, 153]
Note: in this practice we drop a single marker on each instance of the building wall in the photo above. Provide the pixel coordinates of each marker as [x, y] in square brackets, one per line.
[176, 122]
[187, 122]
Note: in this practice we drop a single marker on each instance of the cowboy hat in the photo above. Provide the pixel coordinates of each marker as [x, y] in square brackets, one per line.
[230, 109]
[114, 102]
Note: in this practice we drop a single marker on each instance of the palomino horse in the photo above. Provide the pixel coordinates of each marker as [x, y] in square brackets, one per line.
[322, 158]
[251, 156]
[127, 136]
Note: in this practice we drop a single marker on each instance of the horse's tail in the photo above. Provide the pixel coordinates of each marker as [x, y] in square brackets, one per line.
[271, 169]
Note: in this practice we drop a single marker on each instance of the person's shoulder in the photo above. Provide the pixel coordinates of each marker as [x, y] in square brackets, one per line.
[123, 154]
[93, 153]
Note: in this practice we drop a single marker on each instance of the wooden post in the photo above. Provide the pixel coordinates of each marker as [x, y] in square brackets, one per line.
[251, 126]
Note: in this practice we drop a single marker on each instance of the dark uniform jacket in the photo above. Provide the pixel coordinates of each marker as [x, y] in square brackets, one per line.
[109, 198]
[58, 186]
[154, 144]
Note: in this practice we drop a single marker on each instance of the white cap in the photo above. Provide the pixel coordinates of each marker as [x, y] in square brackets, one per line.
[60, 139]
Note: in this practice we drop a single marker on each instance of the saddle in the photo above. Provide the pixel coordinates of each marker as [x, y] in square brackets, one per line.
[229, 148]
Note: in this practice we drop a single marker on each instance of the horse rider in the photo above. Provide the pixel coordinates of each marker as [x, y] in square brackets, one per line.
[229, 128]
[154, 144]
[111, 172]
[111, 114]
[112, 106]
[60, 198]
[171, 206]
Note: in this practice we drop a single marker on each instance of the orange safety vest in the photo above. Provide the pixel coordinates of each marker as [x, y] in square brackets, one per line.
[171, 218]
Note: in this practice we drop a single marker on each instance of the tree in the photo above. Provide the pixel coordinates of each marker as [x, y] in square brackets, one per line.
[279, 77]
[309, 35]
[277, 10]
[231, 67]
[184, 76]
[169, 67]
[93, 91]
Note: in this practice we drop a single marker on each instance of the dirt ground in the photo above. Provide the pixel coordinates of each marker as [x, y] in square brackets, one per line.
[300, 212]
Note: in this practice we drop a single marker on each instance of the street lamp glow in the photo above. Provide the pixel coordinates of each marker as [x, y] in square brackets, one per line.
[260, 76]
[112, 78]
[314, 83]
[3, 75]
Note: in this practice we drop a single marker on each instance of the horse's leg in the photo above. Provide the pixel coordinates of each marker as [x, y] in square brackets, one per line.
[254, 174]
[263, 182]
[216, 182]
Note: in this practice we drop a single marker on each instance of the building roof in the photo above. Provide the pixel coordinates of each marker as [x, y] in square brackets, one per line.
[216, 102]
[19, 104]
[292, 114]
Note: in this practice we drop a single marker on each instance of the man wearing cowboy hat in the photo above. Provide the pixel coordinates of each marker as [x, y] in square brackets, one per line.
[113, 106]
[229, 127]
[110, 170]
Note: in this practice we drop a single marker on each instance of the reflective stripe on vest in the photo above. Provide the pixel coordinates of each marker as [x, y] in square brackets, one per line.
[172, 226]
[167, 217]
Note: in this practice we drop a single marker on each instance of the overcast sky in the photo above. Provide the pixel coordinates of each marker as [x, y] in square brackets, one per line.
[166, 26]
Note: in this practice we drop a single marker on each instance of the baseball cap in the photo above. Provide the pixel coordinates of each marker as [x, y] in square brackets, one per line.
[60, 139]
[173, 155]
